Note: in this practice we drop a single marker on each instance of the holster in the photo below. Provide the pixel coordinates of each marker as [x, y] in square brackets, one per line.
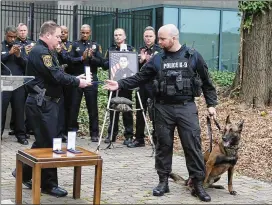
[40, 96]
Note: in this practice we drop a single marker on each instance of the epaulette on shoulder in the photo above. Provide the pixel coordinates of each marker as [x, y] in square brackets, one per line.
[75, 42]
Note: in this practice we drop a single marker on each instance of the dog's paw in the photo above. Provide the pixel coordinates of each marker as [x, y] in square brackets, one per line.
[233, 193]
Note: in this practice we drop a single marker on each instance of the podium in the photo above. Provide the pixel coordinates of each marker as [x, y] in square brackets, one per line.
[10, 83]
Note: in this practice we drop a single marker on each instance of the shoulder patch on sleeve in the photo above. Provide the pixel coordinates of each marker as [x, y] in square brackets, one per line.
[106, 53]
[70, 48]
[47, 60]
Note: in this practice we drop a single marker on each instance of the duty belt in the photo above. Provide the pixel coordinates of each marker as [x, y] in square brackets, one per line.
[173, 101]
[47, 98]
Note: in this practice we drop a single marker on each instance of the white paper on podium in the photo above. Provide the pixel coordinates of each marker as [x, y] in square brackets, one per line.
[71, 144]
[10, 83]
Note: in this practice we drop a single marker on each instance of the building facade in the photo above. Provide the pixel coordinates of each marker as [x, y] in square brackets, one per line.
[211, 27]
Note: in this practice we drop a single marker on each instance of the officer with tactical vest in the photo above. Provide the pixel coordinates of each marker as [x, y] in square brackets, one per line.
[145, 91]
[119, 38]
[181, 74]
[85, 52]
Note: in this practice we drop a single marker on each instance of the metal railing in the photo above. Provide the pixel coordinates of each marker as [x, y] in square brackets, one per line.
[102, 20]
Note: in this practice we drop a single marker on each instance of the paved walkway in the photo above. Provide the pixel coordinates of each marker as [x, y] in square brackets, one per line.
[128, 178]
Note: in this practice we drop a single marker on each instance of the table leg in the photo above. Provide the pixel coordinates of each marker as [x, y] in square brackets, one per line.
[77, 182]
[97, 182]
[36, 184]
[19, 181]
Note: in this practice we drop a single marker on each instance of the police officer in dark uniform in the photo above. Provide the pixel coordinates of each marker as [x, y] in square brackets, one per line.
[13, 64]
[145, 91]
[63, 51]
[26, 46]
[119, 38]
[42, 108]
[85, 52]
[180, 74]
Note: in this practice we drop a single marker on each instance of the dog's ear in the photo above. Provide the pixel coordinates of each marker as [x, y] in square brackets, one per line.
[240, 126]
[228, 120]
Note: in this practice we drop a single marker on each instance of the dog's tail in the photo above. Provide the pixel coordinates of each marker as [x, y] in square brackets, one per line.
[178, 179]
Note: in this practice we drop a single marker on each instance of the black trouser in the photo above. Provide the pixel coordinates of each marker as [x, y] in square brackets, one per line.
[127, 117]
[145, 92]
[185, 118]
[17, 100]
[12, 119]
[44, 121]
[67, 93]
[61, 120]
[90, 94]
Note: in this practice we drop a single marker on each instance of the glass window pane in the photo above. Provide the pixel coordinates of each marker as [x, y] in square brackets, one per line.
[202, 28]
[170, 16]
[230, 40]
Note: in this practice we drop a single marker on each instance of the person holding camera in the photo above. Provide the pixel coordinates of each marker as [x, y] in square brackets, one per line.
[26, 46]
[13, 64]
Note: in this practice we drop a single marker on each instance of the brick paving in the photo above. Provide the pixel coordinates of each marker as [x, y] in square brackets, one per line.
[128, 178]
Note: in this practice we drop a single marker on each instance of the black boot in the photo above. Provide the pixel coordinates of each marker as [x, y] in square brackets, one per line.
[127, 141]
[107, 139]
[162, 186]
[94, 138]
[28, 183]
[199, 191]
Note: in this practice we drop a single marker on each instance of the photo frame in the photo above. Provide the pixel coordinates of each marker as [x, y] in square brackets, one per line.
[122, 64]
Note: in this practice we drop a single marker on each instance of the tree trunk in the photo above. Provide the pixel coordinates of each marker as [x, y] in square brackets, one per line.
[256, 62]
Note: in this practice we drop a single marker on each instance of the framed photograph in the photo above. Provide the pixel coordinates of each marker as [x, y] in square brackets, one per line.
[123, 64]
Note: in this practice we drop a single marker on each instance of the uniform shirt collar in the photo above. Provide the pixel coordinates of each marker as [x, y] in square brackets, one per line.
[151, 47]
[21, 40]
[43, 43]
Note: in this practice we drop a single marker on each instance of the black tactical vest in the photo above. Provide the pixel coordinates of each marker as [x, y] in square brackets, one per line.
[175, 77]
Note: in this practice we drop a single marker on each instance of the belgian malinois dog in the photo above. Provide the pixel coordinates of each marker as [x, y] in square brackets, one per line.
[219, 159]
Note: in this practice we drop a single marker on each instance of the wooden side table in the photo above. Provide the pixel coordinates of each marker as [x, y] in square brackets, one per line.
[45, 158]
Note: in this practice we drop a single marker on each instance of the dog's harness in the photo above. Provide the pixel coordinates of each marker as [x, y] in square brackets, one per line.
[209, 125]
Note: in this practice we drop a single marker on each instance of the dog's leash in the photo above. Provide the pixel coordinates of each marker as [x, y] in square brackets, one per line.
[209, 125]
